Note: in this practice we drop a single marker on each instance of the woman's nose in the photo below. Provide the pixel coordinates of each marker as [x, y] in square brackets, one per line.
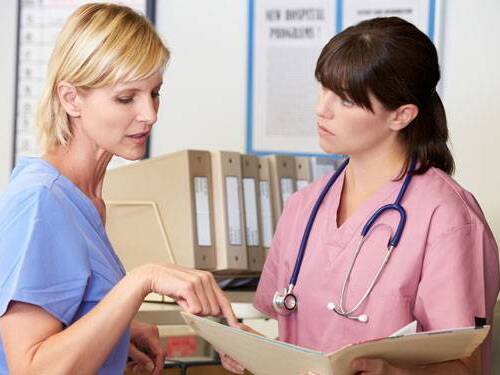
[323, 104]
[148, 112]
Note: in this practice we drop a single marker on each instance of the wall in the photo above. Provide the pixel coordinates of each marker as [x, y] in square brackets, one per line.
[471, 84]
[204, 96]
[8, 24]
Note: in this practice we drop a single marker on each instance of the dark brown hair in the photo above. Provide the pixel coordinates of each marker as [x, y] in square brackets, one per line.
[397, 63]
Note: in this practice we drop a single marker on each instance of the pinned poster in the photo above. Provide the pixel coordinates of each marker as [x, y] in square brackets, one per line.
[285, 39]
[423, 14]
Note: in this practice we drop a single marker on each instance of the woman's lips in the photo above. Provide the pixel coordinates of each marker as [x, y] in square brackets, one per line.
[324, 131]
[138, 138]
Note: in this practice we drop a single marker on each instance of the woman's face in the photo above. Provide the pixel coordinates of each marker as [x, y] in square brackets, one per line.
[119, 118]
[345, 128]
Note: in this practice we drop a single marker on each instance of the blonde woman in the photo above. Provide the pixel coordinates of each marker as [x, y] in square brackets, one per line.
[66, 306]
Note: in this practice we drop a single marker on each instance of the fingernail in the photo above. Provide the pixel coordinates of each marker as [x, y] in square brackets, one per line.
[150, 367]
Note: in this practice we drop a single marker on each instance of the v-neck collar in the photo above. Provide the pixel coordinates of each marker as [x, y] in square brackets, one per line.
[341, 236]
[84, 203]
[80, 198]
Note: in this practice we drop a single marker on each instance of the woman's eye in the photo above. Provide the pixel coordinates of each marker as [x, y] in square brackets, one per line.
[155, 94]
[347, 103]
[125, 99]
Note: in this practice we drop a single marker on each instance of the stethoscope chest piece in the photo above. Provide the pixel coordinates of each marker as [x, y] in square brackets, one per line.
[284, 301]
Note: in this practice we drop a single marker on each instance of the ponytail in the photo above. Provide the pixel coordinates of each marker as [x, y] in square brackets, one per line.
[427, 137]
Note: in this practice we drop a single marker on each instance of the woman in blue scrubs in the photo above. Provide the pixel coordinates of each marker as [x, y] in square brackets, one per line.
[66, 305]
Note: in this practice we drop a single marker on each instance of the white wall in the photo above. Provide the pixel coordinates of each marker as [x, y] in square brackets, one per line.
[204, 97]
[204, 94]
[471, 87]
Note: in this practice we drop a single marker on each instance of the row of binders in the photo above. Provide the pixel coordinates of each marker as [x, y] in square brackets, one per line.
[212, 210]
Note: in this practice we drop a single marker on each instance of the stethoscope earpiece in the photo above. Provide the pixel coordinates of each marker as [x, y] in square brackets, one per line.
[363, 318]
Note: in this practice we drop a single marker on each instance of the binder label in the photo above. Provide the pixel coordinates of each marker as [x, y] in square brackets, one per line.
[250, 200]
[287, 189]
[202, 211]
[302, 184]
[233, 210]
[266, 213]
[322, 166]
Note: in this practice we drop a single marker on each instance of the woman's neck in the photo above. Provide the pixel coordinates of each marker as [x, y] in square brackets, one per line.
[83, 165]
[365, 174]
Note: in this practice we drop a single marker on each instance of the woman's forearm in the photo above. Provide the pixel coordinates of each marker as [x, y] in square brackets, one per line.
[84, 346]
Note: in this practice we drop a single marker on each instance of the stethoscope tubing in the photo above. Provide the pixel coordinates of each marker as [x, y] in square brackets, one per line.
[393, 242]
[310, 222]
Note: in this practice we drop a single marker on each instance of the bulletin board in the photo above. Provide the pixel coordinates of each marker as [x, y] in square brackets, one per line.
[285, 39]
[39, 22]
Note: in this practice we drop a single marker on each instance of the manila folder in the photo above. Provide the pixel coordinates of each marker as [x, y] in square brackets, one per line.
[264, 356]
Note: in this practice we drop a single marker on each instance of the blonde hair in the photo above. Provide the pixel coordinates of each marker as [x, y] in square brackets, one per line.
[99, 45]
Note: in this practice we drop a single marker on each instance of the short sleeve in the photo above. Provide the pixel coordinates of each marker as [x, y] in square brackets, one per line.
[460, 279]
[268, 283]
[44, 260]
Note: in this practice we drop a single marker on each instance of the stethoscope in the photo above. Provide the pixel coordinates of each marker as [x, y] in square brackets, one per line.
[285, 302]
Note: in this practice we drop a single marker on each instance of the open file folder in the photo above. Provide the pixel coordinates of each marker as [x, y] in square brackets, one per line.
[263, 356]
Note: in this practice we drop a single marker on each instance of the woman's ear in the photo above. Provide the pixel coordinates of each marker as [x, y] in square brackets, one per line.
[68, 96]
[403, 116]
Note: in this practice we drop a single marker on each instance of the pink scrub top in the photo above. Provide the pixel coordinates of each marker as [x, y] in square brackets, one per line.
[443, 273]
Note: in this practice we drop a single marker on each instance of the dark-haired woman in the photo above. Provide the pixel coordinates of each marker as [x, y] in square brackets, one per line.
[378, 104]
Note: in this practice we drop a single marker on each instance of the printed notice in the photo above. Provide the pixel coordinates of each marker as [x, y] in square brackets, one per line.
[287, 39]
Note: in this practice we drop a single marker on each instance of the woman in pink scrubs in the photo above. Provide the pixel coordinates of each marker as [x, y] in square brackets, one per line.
[378, 104]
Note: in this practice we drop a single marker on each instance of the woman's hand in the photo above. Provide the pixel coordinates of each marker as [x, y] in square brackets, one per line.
[230, 364]
[145, 349]
[371, 366]
[195, 291]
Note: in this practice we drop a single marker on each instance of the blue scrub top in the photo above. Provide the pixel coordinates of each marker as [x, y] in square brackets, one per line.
[54, 251]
